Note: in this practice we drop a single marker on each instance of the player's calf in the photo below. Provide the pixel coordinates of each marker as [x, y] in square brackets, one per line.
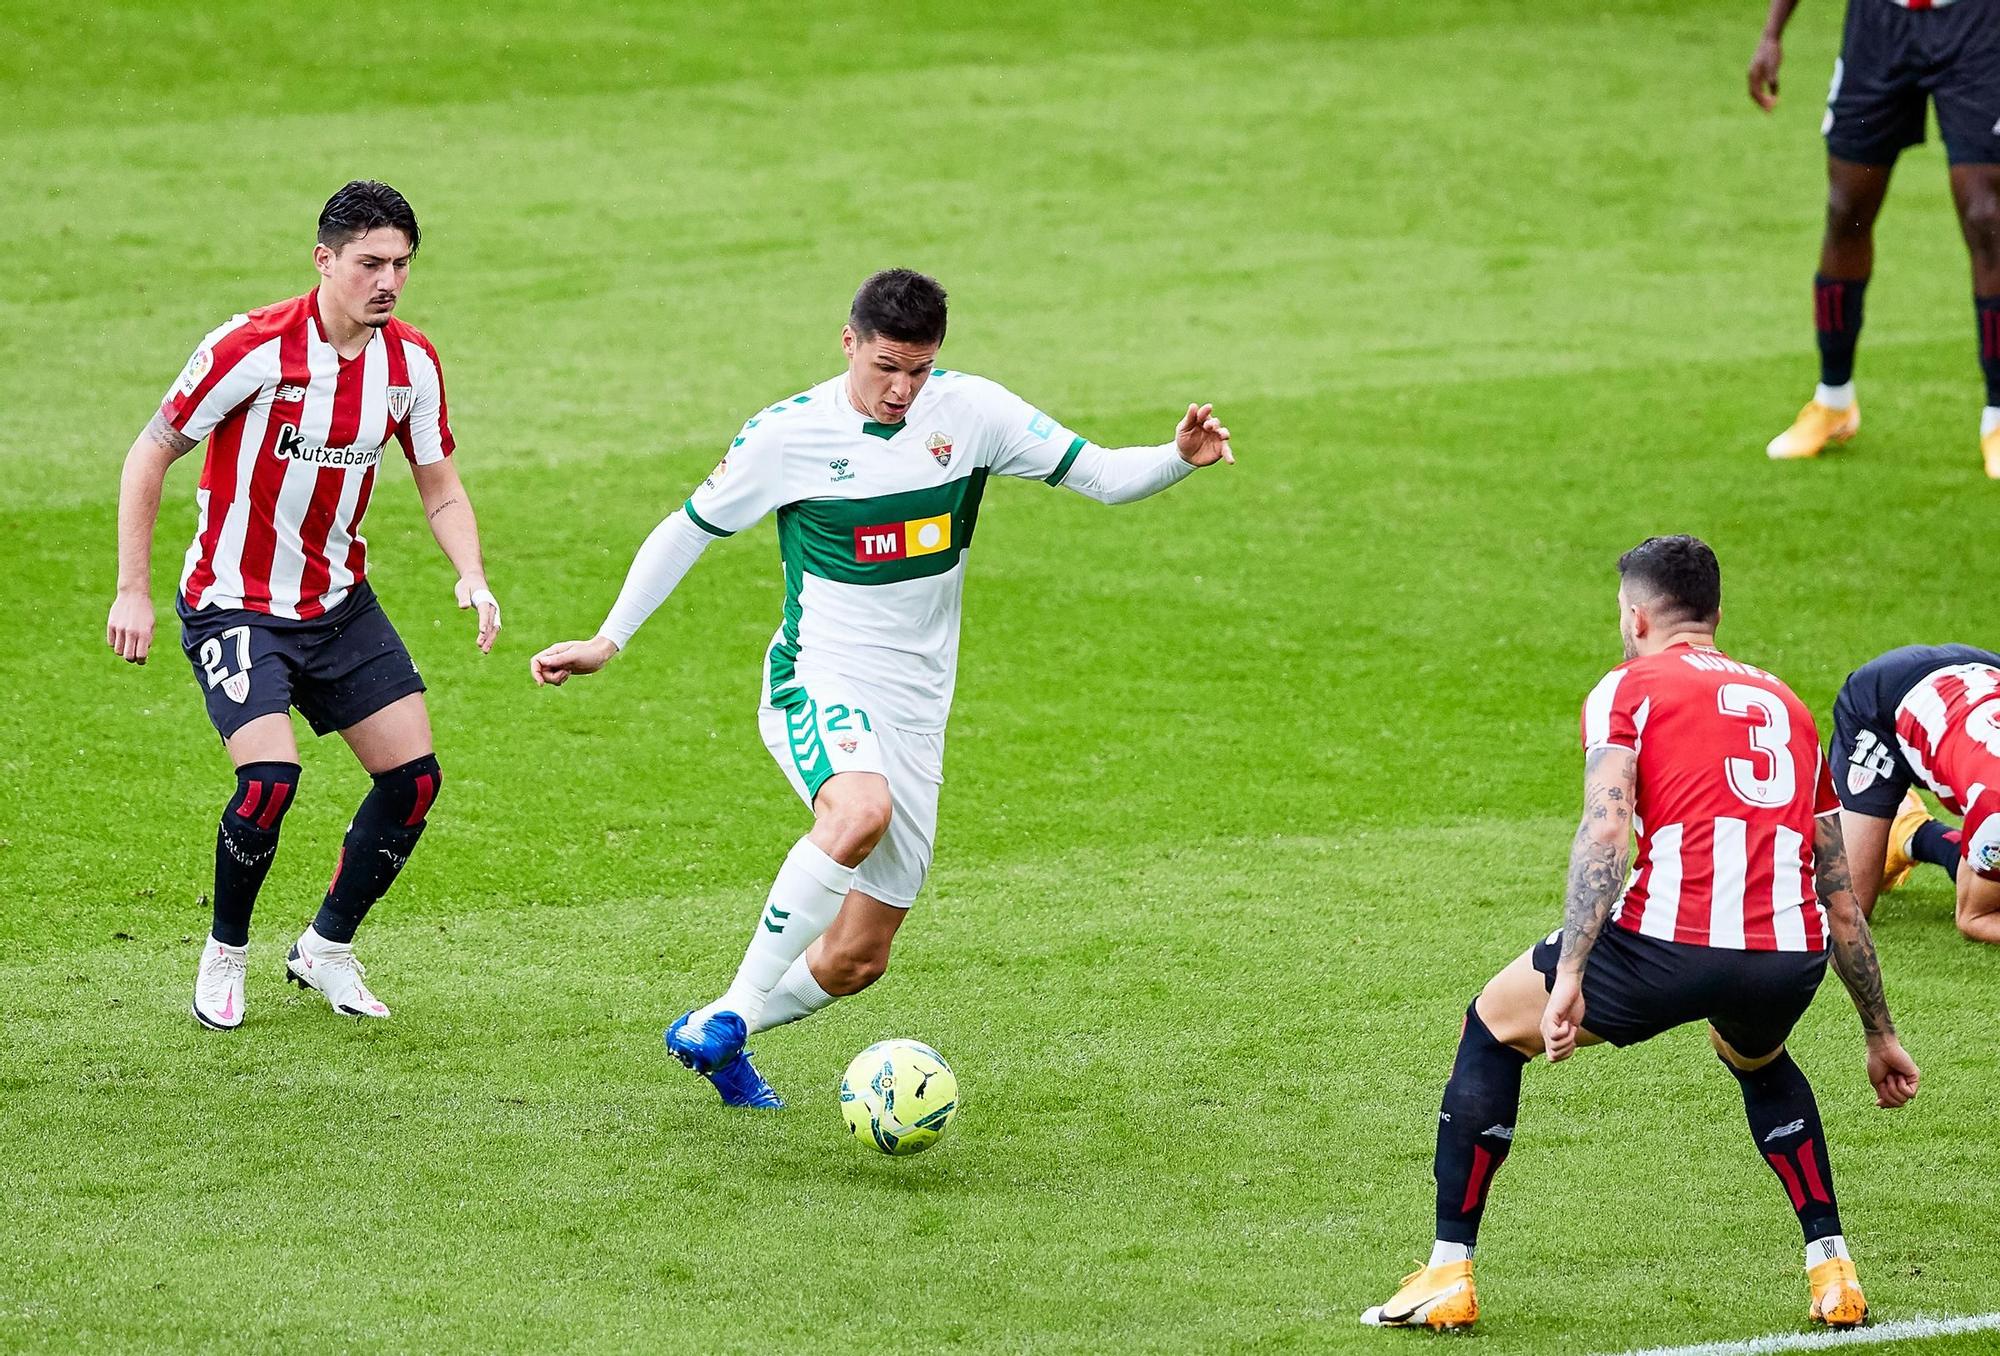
[380, 839]
[246, 842]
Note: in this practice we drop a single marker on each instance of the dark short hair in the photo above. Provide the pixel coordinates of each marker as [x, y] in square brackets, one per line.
[1680, 571]
[900, 304]
[359, 207]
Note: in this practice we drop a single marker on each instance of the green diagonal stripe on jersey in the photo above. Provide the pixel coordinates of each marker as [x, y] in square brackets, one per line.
[884, 539]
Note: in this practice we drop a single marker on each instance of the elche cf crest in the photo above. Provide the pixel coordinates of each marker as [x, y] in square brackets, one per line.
[940, 446]
[400, 398]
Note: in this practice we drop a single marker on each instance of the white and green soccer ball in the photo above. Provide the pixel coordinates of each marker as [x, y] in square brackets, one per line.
[899, 1096]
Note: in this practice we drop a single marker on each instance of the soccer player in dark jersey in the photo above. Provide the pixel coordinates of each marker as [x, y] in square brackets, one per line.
[1895, 57]
[1926, 714]
[1738, 895]
[296, 402]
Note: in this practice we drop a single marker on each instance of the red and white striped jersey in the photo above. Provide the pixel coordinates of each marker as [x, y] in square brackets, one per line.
[294, 434]
[1731, 778]
[1949, 728]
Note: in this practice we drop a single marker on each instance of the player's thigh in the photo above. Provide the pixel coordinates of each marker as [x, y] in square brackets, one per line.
[245, 670]
[264, 739]
[1978, 896]
[1512, 1003]
[896, 870]
[397, 734]
[1875, 104]
[358, 679]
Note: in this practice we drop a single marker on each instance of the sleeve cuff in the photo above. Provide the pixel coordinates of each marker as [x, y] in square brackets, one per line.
[1055, 477]
[703, 523]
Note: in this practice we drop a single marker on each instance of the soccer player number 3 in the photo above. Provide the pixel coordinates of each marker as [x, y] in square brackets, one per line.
[1771, 737]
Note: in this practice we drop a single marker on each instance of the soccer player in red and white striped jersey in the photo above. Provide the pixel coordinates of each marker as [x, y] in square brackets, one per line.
[1739, 893]
[297, 402]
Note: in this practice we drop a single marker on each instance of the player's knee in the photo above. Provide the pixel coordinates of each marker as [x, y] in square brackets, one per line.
[1981, 219]
[842, 971]
[855, 818]
[405, 793]
[1850, 215]
[263, 796]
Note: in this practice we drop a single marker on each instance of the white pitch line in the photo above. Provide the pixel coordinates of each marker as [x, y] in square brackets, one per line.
[1903, 1330]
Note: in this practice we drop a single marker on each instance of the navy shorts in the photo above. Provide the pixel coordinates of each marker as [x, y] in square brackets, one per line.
[337, 669]
[1869, 770]
[1635, 987]
[1894, 60]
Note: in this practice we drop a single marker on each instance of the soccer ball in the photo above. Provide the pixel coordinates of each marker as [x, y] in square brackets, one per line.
[899, 1096]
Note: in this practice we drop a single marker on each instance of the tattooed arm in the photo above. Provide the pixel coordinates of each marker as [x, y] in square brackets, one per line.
[129, 628]
[1597, 861]
[1852, 953]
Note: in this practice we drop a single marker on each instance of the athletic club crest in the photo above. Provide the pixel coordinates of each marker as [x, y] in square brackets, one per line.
[940, 446]
[1859, 778]
[236, 687]
[400, 398]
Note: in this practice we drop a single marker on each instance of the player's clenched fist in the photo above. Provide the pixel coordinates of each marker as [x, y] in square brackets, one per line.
[555, 665]
[129, 630]
[1201, 438]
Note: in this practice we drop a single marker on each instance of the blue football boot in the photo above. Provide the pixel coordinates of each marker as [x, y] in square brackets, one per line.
[709, 1046]
[741, 1085]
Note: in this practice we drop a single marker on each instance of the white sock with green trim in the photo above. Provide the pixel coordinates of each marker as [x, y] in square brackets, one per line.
[802, 903]
[798, 995]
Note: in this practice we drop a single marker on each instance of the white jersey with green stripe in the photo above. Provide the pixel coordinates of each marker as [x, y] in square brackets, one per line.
[873, 524]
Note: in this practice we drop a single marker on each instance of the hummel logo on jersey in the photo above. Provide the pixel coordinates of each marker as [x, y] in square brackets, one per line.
[839, 468]
[292, 446]
[291, 395]
[1792, 1129]
[400, 400]
[940, 446]
[1870, 760]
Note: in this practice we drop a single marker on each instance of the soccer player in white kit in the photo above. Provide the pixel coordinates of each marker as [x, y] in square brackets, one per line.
[876, 477]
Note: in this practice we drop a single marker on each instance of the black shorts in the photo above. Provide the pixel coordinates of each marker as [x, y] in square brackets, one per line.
[337, 669]
[1893, 60]
[1636, 987]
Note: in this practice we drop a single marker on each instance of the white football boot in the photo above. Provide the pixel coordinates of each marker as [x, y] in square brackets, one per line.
[218, 986]
[330, 967]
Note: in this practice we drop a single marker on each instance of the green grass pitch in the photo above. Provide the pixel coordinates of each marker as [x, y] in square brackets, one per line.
[1250, 786]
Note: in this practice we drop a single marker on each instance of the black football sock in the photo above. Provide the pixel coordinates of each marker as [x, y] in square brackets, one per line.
[1784, 1120]
[245, 843]
[1938, 845]
[1837, 320]
[1475, 1127]
[1988, 309]
[380, 839]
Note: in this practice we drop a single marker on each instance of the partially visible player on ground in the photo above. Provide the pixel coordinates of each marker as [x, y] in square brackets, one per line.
[1929, 714]
[1716, 766]
[1895, 57]
[297, 401]
[876, 477]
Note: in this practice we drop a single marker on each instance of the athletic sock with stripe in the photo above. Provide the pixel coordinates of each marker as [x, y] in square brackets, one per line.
[1784, 1121]
[1475, 1128]
[246, 841]
[802, 904]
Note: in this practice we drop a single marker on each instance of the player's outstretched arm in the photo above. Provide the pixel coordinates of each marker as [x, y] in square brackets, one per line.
[449, 510]
[662, 562]
[1770, 53]
[1852, 950]
[129, 629]
[1120, 475]
[1597, 861]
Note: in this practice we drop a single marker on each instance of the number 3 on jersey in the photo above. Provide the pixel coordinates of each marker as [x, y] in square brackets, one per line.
[1771, 736]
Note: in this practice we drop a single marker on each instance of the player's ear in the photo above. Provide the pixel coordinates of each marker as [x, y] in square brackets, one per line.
[849, 341]
[323, 260]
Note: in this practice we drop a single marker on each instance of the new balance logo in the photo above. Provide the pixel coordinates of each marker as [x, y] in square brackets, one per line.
[1783, 1130]
[291, 394]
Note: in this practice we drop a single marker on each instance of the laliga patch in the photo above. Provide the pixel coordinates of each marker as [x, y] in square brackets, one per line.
[940, 446]
[400, 400]
[197, 368]
[1041, 425]
[1982, 854]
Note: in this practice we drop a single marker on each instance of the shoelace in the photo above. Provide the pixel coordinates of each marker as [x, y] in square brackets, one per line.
[219, 976]
[341, 959]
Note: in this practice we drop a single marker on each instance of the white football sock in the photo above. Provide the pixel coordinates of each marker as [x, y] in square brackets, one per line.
[1825, 1250]
[1443, 1254]
[798, 995]
[803, 900]
[1989, 419]
[1835, 397]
